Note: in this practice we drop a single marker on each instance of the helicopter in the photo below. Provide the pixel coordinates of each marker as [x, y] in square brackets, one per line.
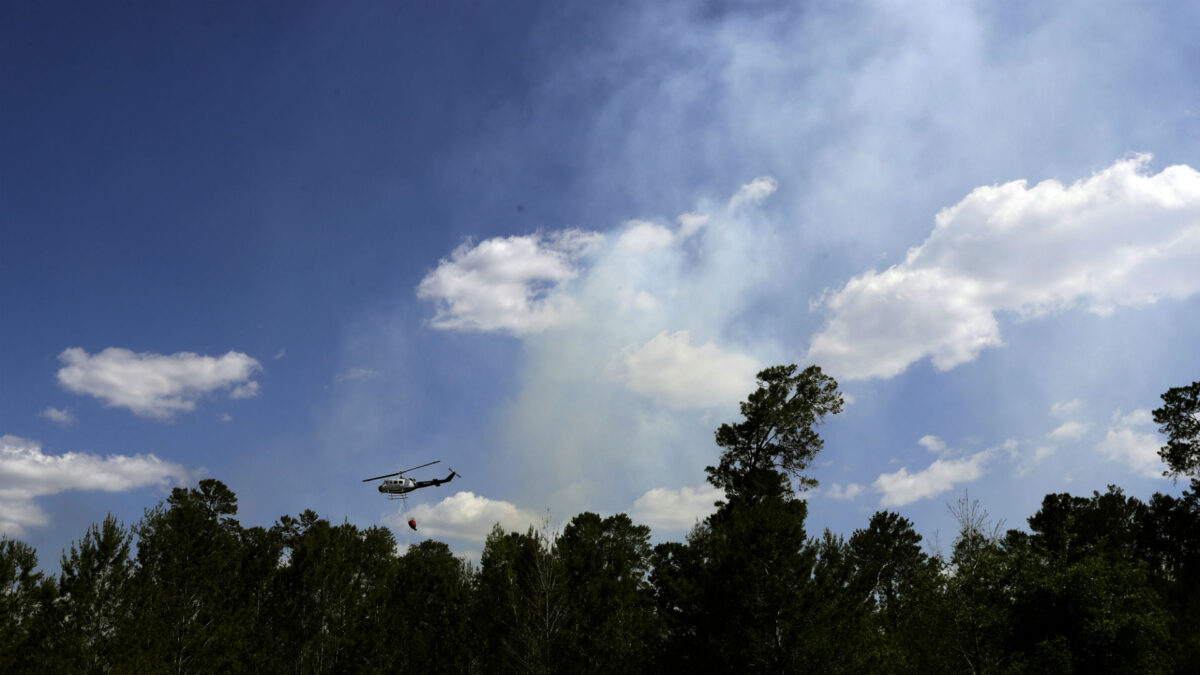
[398, 488]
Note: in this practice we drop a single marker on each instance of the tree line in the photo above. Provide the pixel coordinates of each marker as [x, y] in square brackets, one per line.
[1100, 583]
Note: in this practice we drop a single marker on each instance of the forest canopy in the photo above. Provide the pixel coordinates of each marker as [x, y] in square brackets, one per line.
[1097, 583]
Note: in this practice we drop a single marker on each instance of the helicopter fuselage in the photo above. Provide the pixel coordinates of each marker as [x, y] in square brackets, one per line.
[397, 486]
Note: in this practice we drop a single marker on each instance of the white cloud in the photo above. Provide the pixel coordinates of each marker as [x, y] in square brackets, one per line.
[754, 192]
[355, 374]
[27, 473]
[154, 385]
[850, 491]
[1064, 408]
[901, 487]
[690, 223]
[63, 417]
[1131, 442]
[1041, 454]
[245, 390]
[655, 313]
[1121, 238]
[670, 369]
[507, 284]
[1137, 418]
[637, 300]
[641, 236]
[932, 443]
[675, 510]
[18, 514]
[1068, 431]
[467, 516]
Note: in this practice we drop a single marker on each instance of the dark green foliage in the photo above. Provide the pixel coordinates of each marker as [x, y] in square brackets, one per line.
[898, 587]
[1170, 546]
[188, 556]
[610, 619]
[779, 429]
[1097, 584]
[975, 601]
[261, 550]
[741, 597]
[757, 564]
[1084, 600]
[737, 596]
[521, 604]
[94, 599]
[839, 635]
[428, 611]
[1179, 419]
[331, 596]
[24, 596]
[677, 582]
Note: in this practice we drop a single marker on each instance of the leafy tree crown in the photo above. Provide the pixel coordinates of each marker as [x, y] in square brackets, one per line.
[778, 431]
[1179, 419]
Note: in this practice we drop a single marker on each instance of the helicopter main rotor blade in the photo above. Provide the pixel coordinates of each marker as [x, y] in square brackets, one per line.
[389, 475]
[422, 466]
[386, 475]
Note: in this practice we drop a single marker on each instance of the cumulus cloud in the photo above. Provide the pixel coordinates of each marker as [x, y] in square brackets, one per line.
[26, 473]
[1131, 440]
[690, 223]
[1064, 408]
[467, 516]
[675, 510]
[155, 385]
[642, 236]
[507, 284]
[932, 443]
[901, 487]
[670, 369]
[850, 491]
[1121, 238]
[1032, 460]
[648, 310]
[754, 192]
[245, 390]
[63, 416]
[725, 96]
[1068, 431]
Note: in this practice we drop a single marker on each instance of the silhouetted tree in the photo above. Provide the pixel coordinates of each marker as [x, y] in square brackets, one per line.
[901, 586]
[521, 604]
[1083, 601]
[1170, 541]
[1179, 419]
[332, 594]
[429, 607]
[778, 430]
[1104, 583]
[610, 621]
[185, 618]
[94, 607]
[756, 563]
[25, 597]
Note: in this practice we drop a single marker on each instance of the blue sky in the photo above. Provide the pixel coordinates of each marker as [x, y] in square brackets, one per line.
[550, 243]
